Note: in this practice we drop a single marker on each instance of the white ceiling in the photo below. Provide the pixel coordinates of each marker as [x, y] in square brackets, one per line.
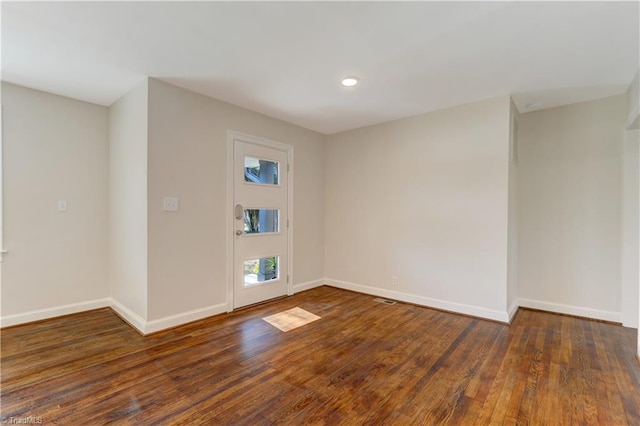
[285, 59]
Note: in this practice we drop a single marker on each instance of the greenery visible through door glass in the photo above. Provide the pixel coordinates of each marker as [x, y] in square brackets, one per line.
[257, 271]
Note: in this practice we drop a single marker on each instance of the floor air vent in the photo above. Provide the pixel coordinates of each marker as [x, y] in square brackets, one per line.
[385, 301]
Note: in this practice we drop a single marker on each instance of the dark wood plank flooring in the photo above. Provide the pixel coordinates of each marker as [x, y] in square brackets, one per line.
[362, 363]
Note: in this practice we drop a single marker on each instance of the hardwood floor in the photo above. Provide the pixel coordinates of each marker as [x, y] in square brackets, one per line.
[362, 363]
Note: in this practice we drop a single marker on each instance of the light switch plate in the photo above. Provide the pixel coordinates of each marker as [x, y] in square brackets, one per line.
[170, 204]
[62, 205]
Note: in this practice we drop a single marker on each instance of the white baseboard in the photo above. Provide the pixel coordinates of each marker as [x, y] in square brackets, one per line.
[184, 318]
[421, 300]
[632, 323]
[41, 314]
[297, 288]
[570, 310]
[147, 327]
[134, 320]
[513, 310]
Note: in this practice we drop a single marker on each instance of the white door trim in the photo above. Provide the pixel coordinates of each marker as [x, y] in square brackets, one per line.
[231, 137]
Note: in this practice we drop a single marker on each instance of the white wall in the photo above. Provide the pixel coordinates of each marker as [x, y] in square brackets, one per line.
[424, 199]
[432, 200]
[116, 246]
[638, 339]
[633, 117]
[630, 230]
[187, 159]
[570, 174]
[55, 148]
[128, 136]
[512, 227]
[633, 139]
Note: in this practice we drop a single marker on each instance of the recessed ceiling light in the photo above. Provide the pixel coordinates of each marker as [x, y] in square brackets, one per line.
[350, 81]
[534, 105]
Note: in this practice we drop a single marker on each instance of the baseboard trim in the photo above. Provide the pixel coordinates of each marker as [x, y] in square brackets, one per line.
[459, 308]
[148, 327]
[58, 311]
[513, 310]
[571, 310]
[297, 288]
[184, 318]
[130, 317]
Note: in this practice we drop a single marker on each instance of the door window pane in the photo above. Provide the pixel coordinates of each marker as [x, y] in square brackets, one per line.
[258, 271]
[260, 171]
[260, 221]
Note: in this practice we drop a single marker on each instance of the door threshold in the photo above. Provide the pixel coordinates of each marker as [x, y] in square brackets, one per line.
[264, 302]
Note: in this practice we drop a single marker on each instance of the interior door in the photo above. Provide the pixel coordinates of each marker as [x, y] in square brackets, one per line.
[260, 252]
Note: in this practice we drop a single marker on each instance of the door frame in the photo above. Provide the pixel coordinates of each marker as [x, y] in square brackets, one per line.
[232, 136]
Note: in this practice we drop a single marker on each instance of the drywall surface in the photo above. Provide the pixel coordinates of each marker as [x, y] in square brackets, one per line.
[512, 227]
[128, 136]
[55, 148]
[424, 199]
[633, 117]
[570, 174]
[188, 160]
[630, 229]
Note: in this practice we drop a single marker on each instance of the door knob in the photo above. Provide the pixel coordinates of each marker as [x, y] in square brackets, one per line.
[238, 232]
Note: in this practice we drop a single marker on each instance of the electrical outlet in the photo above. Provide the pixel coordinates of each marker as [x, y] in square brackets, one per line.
[394, 281]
